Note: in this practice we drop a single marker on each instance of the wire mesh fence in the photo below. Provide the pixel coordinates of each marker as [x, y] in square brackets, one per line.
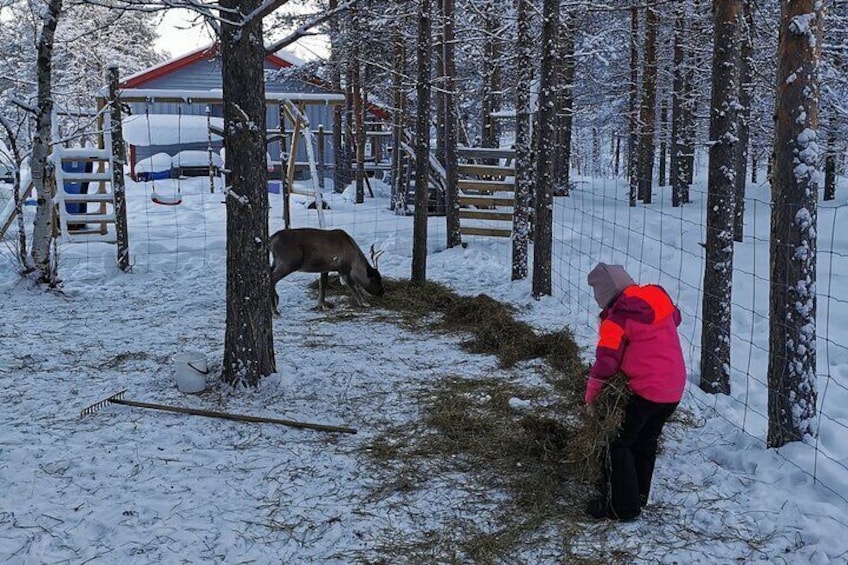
[661, 244]
[657, 243]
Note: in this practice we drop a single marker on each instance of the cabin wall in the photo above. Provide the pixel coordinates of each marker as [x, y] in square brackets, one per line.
[206, 75]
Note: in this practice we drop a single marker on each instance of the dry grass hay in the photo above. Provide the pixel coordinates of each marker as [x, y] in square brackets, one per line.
[540, 463]
[593, 429]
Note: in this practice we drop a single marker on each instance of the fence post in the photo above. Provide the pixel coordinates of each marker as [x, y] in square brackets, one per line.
[117, 162]
[321, 156]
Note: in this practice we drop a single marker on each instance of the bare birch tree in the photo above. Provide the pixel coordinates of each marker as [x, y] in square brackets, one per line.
[42, 235]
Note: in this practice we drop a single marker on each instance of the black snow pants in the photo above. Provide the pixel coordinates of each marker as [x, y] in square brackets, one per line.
[626, 480]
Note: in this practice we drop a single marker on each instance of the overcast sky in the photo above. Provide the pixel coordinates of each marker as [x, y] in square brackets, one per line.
[179, 34]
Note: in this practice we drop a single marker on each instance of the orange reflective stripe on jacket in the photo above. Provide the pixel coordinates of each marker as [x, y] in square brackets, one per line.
[655, 297]
[611, 334]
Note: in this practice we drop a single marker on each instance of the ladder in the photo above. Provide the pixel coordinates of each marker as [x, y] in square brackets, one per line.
[76, 222]
[486, 192]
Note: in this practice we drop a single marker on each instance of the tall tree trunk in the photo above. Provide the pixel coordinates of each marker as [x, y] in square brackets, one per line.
[523, 141]
[42, 234]
[663, 143]
[491, 97]
[696, 60]
[399, 67]
[118, 161]
[454, 237]
[543, 230]
[359, 122]
[830, 160]
[565, 106]
[718, 268]
[755, 162]
[248, 340]
[677, 107]
[616, 156]
[632, 141]
[349, 118]
[597, 166]
[439, 81]
[340, 172]
[792, 386]
[746, 54]
[648, 109]
[356, 91]
[422, 143]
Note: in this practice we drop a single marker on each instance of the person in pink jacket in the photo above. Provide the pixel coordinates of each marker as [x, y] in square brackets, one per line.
[638, 337]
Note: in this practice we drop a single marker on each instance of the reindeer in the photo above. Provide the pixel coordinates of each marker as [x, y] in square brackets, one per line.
[320, 251]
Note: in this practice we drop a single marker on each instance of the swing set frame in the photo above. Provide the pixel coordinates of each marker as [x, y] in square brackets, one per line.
[292, 105]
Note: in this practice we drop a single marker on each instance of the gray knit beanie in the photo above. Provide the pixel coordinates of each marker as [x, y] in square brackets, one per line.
[608, 281]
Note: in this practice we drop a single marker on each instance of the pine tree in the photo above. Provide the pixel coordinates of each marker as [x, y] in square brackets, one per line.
[718, 267]
[248, 339]
[523, 142]
[543, 226]
[792, 296]
[422, 142]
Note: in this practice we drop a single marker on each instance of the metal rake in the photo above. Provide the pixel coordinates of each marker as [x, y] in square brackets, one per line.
[118, 398]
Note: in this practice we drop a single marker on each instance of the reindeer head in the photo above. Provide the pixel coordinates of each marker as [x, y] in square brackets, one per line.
[374, 284]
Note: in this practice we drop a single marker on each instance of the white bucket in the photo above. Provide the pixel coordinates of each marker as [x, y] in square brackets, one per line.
[191, 371]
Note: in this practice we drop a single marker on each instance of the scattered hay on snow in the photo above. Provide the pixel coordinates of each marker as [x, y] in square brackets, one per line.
[536, 459]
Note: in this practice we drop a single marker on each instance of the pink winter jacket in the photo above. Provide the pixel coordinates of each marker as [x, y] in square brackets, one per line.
[638, 336]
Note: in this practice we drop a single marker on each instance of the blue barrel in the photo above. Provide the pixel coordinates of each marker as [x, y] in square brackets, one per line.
[76, 187]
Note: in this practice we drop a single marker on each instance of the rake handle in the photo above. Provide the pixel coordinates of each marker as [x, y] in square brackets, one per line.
[236, 417]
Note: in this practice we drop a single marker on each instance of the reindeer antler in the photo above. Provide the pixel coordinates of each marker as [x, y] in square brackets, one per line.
[375, 255]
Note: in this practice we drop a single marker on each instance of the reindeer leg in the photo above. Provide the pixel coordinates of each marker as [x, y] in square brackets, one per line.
[276, 275]
[322, 290]
[354, 290]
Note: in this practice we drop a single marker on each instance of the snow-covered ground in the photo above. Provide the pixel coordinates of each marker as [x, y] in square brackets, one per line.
[126, 485]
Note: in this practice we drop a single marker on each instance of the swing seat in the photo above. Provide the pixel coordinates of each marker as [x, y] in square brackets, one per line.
[166, 200]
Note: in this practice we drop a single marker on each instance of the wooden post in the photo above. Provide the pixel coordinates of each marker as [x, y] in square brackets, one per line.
[321, 156]
[293, 153]
[359, 135]
[284, 185]
[118, 161]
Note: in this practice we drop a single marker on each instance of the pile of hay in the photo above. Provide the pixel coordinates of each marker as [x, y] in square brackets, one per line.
[567, 433]
[492, 325]
[545, 456]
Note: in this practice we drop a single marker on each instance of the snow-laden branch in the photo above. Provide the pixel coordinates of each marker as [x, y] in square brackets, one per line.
[212, 13]
[264, 9]
[24, 106]
[304, 29]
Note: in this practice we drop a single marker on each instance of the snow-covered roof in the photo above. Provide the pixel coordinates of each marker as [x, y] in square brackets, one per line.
[154, 164]
[196, 158]
[280, 59]
[169, 129]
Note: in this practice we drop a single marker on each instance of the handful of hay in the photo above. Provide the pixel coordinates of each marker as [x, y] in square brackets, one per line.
[594, 429]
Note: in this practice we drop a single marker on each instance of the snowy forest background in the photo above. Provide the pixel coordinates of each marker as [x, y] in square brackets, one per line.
[682, 139]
